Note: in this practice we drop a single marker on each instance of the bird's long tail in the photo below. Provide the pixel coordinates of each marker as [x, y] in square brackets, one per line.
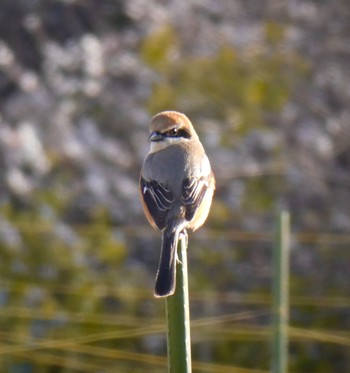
[166, 275]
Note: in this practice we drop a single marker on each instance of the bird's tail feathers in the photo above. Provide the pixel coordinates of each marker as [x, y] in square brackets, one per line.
[166, 275]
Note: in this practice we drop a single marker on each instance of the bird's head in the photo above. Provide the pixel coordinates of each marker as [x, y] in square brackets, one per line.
[168, 128]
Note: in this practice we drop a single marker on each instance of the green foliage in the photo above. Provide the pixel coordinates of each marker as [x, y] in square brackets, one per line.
[158, 47]
[274, 33]
[236, 88]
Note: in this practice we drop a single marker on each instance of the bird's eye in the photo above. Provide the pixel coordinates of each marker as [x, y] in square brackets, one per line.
[174, 132]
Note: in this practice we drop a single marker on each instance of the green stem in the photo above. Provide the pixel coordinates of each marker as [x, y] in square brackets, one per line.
[280, 296]
[178, 318]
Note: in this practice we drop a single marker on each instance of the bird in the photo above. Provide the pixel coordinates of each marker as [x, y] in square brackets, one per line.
[176, 187]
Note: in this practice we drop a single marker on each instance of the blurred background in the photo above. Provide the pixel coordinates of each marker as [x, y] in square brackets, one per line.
[267, 87]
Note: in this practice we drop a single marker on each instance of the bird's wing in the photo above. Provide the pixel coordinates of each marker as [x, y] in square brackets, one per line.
[158, 199]
[193, 192]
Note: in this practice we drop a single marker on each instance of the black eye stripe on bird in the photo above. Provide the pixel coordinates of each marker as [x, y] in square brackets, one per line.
[177, 132]
[177, 186]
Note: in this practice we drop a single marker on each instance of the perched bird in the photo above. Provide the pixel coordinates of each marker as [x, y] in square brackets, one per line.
[176, 186]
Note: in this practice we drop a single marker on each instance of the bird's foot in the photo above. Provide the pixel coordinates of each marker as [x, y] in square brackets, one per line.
[184, 236]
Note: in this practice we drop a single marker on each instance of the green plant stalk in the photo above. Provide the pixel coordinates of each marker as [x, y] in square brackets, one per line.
[281, 296]
[178, 318]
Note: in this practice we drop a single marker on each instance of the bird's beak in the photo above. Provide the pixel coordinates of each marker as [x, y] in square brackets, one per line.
[155, 136]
